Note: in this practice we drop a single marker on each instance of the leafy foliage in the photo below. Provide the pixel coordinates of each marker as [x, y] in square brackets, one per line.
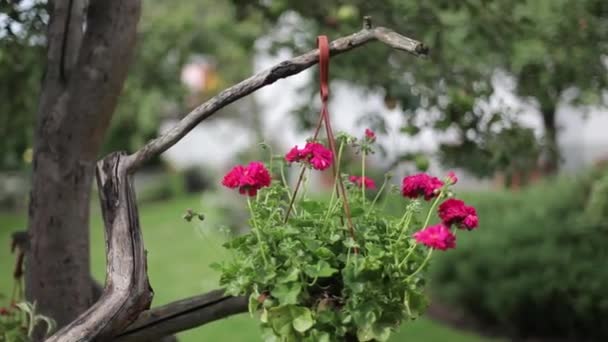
[21, 68]
[313, 281]
[17, 322]
[170, 34]
[553, 50]
[550, 283]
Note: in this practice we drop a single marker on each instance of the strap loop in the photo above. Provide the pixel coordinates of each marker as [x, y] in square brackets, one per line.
[323, 44]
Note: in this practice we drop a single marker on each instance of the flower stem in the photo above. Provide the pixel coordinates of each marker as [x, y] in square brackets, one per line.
[409, 252]
[428, 216]
[426, 260]
[271, 157]
[405, 223]
[256, 230]
[295, 192]
[363, 177]
[336, 178]
[378, 194]
[284, 179]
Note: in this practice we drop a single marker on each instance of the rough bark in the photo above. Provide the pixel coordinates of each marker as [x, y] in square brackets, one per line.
[83, 78]
[58, 259]
[127, 292]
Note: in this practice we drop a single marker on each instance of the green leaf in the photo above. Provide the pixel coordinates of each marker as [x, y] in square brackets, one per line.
[324, 269]
[335, 237]
[269, 336]
[291, 275]
[321, 269]
[322, 337]
[302, 318]
[280, 319]
[253, 303]
[324, 253]
[264, 316]
[374, 332]
[287, 293]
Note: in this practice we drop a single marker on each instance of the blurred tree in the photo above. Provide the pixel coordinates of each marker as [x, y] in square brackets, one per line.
[82, 50]
[22, 38]
[555, 50]
[170, 35]
[153, 87]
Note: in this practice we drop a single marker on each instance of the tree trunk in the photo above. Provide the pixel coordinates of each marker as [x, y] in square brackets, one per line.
[58, 262]
[83, 78]
[552, 157]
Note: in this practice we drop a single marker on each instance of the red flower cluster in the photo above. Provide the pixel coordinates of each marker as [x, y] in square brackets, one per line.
[455, 211]
[5, 311]
[317, 155]
[360, 180]
[247, 179]
[438, 237]
[421, 185]
[370, 135]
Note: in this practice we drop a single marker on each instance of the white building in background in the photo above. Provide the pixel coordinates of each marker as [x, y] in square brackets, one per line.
[214, 143]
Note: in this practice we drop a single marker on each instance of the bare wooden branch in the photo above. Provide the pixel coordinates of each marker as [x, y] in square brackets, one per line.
[120, 314]
[127, 291]
[284, 69]
[87, 63]
[182, 315]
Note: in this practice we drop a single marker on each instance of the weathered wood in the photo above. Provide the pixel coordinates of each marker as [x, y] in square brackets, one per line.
[89, 49]
[282, 70]
[182, 315]
[127, 291]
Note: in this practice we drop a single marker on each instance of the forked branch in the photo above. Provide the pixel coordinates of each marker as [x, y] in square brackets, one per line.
[120, 313]
[282, 70]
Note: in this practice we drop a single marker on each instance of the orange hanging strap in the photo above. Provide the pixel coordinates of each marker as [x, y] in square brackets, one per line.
[323, 45]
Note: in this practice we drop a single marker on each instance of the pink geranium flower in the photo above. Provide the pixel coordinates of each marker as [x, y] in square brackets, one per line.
[370, 135]
[314, 154]
[247, 179]
[452, 177]
[455, 211]
[421, 185]
[360, 180]
[293, 155]
[437, 237]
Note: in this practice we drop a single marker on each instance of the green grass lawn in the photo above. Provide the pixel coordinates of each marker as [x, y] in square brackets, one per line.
[179, 254]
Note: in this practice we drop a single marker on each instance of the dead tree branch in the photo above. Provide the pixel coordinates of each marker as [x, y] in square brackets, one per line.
[182, 315]
[127, 293]
[282, 70]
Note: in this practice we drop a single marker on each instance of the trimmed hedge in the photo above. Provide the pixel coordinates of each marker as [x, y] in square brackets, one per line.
[538, 264]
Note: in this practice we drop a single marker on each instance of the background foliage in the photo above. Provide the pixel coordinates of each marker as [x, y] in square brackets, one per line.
[553, 50]
[536, 267]
[153, 89]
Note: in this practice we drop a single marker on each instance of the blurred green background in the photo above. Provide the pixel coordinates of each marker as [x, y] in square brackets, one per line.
[513, 97]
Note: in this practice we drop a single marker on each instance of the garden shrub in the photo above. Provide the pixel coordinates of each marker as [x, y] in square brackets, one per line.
[537, 267]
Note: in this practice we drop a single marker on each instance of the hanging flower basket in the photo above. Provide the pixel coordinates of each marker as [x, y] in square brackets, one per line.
[340, 268]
